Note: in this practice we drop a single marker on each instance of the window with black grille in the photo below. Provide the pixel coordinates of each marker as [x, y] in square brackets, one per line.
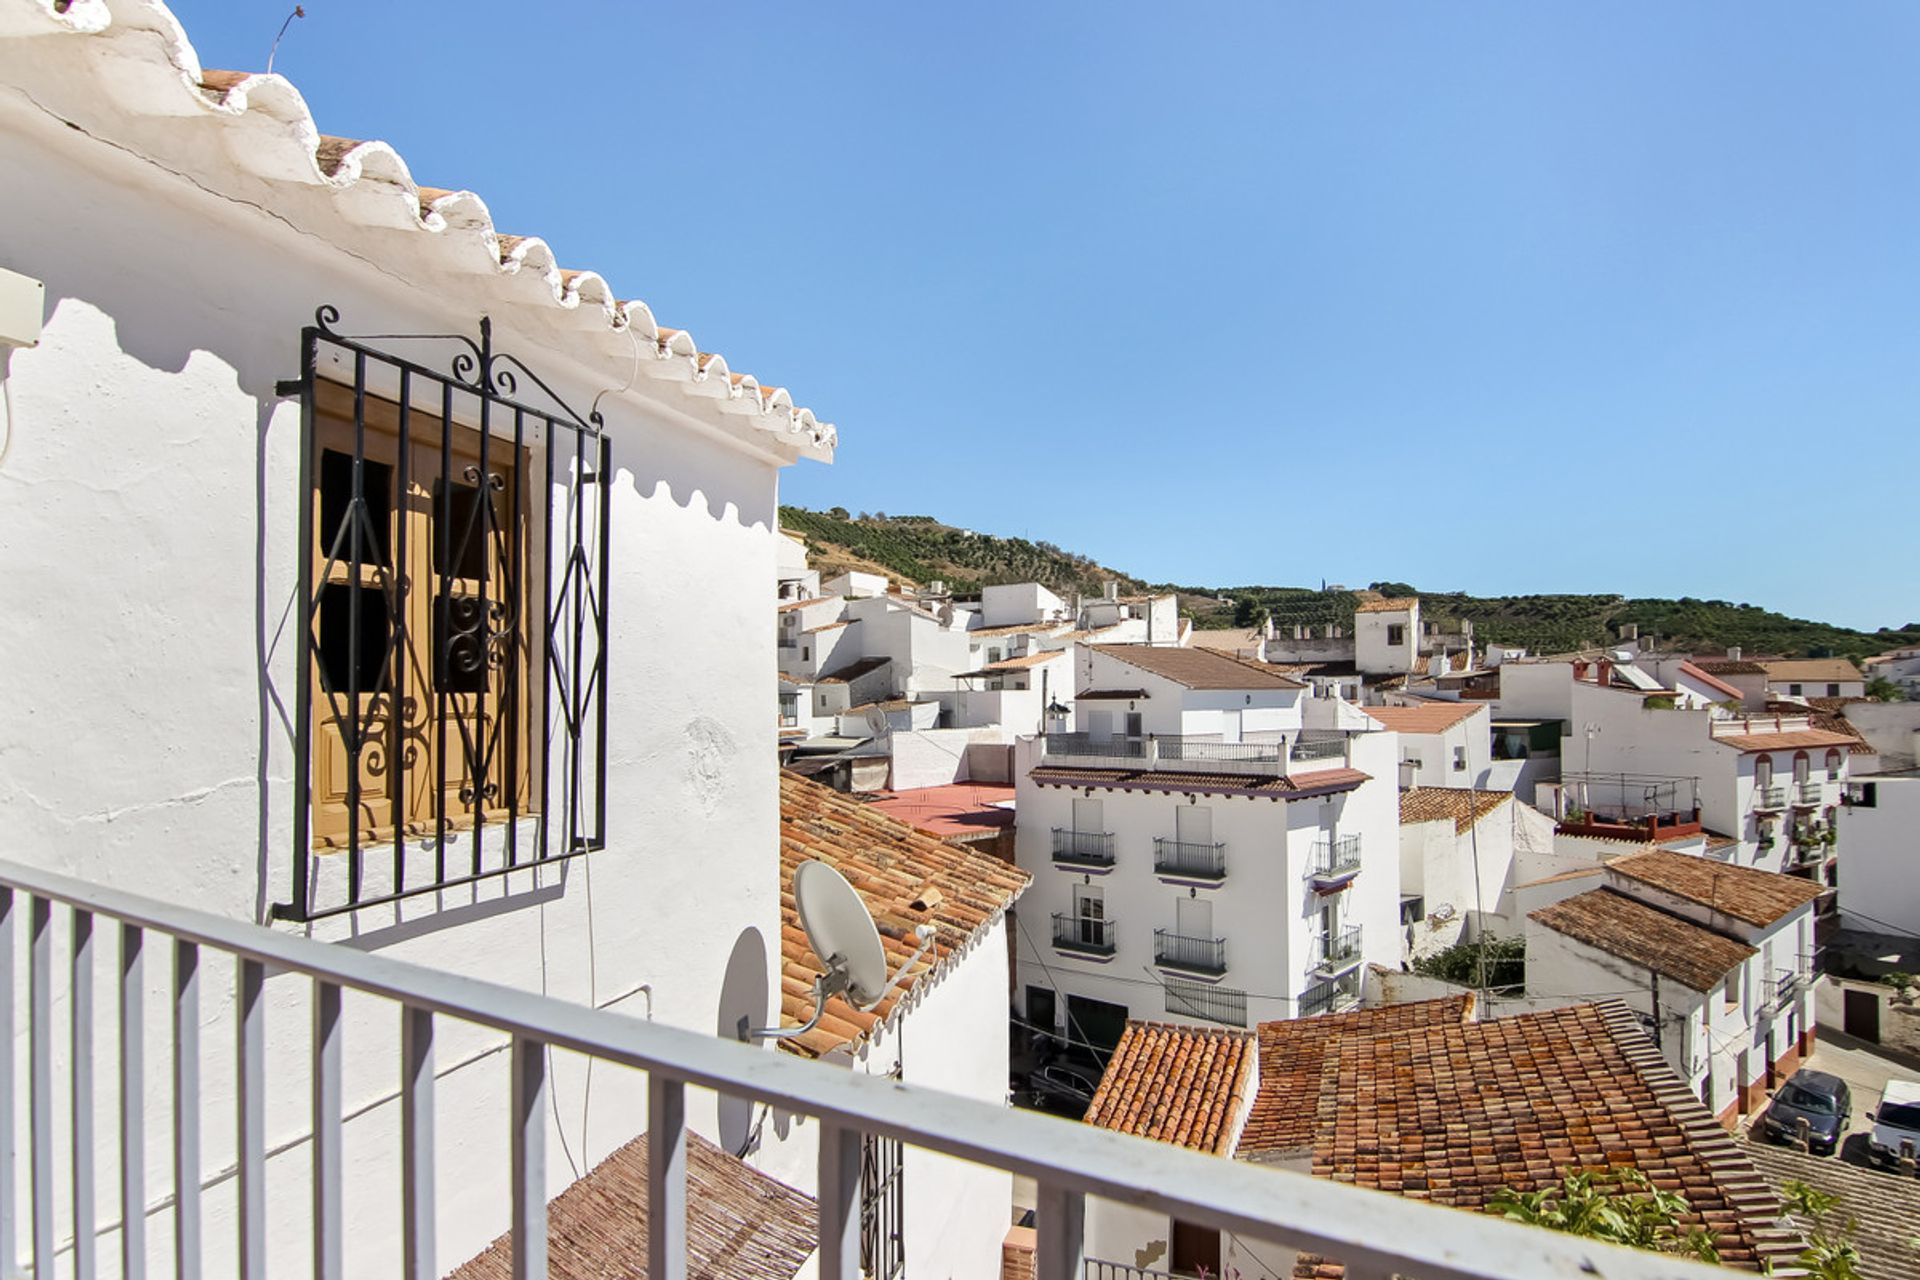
[883, 1252]
[453, 570]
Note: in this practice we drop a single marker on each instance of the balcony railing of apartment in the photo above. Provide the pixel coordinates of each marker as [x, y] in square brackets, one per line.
[1806, 795]
[1101, 1270]
[1200, 955]
[1224, 1005]
[1332, 996]
[91, 1210]
[1095, 935]
[1190, 859]
[1334, 860]
[1769, 799]
[1787, 985]
[1083, 848]
[1172, 752]
[1627, 806]
[1337, 952]
[1320, 744]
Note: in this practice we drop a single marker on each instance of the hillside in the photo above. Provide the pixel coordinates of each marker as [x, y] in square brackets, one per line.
[920, 549]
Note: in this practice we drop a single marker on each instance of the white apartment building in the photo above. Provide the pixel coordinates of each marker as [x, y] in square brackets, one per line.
[1899, 666]
[1717, 960]
[1814, 678]
[1456, 860]
[1197, 853]
[1442, 744]
[1880, 890]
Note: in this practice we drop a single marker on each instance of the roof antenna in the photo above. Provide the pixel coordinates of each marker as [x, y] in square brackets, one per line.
[299, 11]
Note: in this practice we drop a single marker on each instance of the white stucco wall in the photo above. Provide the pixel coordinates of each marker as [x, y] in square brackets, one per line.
[1880, 881]
[148, 530]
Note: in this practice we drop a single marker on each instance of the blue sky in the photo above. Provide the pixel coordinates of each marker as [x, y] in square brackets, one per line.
[1489, 297]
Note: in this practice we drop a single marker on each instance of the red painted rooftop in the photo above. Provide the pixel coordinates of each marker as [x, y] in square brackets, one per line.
[957, 809]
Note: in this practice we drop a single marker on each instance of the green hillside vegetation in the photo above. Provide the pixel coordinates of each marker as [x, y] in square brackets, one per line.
[920, 549]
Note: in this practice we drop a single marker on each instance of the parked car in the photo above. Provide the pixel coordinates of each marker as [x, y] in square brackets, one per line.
[1820, 1099]
[1896, 1123]
[1059, 1087]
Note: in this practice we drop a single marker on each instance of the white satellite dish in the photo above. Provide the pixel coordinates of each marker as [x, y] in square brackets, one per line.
[842, 933]
[876, 728]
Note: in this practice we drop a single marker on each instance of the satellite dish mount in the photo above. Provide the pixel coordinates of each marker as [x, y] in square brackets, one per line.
[842, 933]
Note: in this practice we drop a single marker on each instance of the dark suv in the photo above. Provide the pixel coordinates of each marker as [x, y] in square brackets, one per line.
[1821, 1100]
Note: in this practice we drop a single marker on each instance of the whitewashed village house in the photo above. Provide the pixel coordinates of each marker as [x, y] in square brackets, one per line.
[1196, 852]
[1442, 744]
[382, 640]
[1717, 960]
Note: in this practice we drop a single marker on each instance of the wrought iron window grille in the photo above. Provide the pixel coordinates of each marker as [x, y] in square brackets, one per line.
[452, 658]
[883, 1252]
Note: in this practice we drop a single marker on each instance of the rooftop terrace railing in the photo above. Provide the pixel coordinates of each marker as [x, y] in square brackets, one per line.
[1168, 751]
[1375, 1234]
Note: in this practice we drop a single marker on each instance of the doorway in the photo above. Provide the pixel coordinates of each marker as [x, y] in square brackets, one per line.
[1861, 1015]
[1196, 1250]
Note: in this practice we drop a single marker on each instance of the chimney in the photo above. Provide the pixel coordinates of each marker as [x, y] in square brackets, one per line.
[1437, 665]
[1111, 591]
[1733, 651]
[1603, 673]
[1266, 627]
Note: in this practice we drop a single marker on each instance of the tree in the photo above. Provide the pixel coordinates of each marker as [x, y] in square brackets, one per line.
[1617, 1205]
[1830, 1253]
[1881, 689]
[1504, 961]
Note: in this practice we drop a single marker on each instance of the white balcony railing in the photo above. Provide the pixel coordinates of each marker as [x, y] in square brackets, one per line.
[1375, 1234]
[1770, 799]
[1170, 752]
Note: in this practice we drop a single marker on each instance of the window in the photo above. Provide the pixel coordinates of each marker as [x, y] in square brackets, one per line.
[1833, 765]
[449, 703]
[1733, 989]
[883, 1250]
[1396, 634]
[1459, 759]
[1135, 726]
[1794, 689]
[1833, 691]
[1763, 771]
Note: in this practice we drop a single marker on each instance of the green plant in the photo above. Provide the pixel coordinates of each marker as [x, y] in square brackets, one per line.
[1484, 961]
[1830, 1253]
[1617, 1205]
[1899, 980]
[1659, 702]
[1881, 689]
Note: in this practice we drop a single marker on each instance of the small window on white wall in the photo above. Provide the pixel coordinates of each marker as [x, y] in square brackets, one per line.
[1460, 759]
[1396, 634]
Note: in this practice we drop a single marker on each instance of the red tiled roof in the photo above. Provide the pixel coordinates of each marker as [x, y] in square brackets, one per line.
[1745, 893]
[787, 606]
[1199, 668]
[1296, 787]
[1812, 670]
[1177, 1084]
[1657, 940]
[956, 810]
[1693, 671]
[1784, 740]
[1428, 717]
[906, 878]
[1453, 1111]
[1385, 604]
[740, 1222]
[1730, 666]
[1017, 629]
[1464, 806]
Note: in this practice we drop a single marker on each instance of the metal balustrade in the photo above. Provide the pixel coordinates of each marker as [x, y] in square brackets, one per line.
[1083, 746]
[1202, 955]
[1169, 751]
[1806, 795]
[1770, 799]
[1335, 857]
[1316, 747]
[1332, 996]
[1099, 1269]
[1334, 952]
[1205, 1000]
[1083, 848]
[1188, 858]
[1210, 752]
[1786, 988]
[1376, 1235]
[1094, 934]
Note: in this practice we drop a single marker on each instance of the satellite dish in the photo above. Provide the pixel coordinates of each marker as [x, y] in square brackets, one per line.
[839, 929]
[876, 727]
[842, 934]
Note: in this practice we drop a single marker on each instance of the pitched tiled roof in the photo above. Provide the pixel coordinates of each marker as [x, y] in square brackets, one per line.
[906, 877]
[1453, 1111]
[1463, 805]
[129, 76]
[1745, 893]
[1299, 786]
[1199, 668]
[1690, 954]
[1730, 666]
[854, 670]
[829, 626]
[1175, 1084]
[1428, 717]
[1814, 670]
[1112, 695]
[1017, 629]
[1883, 1210]
[1707, 678]
[740, 1222]
[1829, 716]
[788, 606]
[1286, 1109]
[1784, 740]
[1384, 604]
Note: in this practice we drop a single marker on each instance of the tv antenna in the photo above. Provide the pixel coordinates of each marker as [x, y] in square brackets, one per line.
[842, 933]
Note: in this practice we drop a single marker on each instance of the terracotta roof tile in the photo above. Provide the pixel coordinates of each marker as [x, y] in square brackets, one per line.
[1463, 805]
[1882, 1210]
[740, 1222]
[1294, 787]
[1177, 1084]
[1745, 893]
[1017, 629]
[1813, 670]
[1784, 740]
[958, 809]
[893, 866]
[1385, 604]
[1707, 678]
[1428, 717]
[1452, 1111]
[854, 670]
[1730, 666]
[1660, 941]
[1199, 668]
[788, 606]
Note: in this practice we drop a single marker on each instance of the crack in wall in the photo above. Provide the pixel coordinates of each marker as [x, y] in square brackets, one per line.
[67, 817]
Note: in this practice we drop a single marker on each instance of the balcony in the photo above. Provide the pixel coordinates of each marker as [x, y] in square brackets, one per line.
[1189, 860]
[1166, 752]
[1787, 986]
[1336, 953]
[76, 1211]
[1319, 744]
[1769, 799]
[1334, 996]
[1334, 862]
[1196, 955]
[1082, 848]
[1206, 1000]
[1089, 935]
[1627, 806]
[1806, 795]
